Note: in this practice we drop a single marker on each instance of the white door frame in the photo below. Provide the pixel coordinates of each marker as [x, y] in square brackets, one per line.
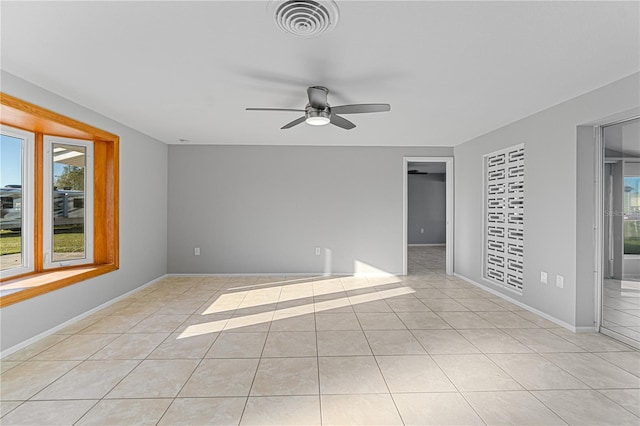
[449, 207]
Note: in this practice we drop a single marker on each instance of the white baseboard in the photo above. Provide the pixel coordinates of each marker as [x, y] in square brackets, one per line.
[75, 319]
[427, 245]
[527, 307]
[295, 274]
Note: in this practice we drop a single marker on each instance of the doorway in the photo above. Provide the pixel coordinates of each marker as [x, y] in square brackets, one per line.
[430, 229]
[620, 287]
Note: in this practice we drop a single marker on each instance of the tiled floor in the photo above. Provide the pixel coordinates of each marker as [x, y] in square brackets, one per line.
[421, 349]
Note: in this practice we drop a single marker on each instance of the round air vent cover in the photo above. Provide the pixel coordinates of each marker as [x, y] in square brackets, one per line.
[305, 18]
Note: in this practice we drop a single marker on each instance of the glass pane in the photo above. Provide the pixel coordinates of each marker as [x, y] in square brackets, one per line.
[632, 214]
[69, 162]
[11, 203]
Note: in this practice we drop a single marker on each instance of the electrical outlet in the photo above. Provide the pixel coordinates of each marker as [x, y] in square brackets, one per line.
[559, 281]
[422, 230]
[317, 251]
[543, 277]
[196, 251]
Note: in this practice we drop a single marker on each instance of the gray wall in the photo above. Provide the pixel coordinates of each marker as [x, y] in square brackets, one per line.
[427, 209]
[550, 197]
[143, 224]
[264, 209]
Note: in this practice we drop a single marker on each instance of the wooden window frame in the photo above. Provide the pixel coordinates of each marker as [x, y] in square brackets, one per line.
[23, 115]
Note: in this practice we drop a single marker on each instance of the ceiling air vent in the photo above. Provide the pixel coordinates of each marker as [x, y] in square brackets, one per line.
[305, 18]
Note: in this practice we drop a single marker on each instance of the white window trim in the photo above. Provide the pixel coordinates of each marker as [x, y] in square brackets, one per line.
[27, 201]
[48, 205]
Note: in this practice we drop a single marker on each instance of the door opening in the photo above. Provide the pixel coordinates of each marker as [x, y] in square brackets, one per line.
[620, 250]
[428, 210]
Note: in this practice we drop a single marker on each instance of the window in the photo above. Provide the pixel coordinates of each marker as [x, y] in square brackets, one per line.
[631, 200]
[59, 201]
[68, 226]
[504, 218]
[16, 214]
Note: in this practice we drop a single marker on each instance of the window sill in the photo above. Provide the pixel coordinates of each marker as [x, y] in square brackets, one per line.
[26, 287]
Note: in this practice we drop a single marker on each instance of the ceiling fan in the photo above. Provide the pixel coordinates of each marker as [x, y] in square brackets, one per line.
[319, 113]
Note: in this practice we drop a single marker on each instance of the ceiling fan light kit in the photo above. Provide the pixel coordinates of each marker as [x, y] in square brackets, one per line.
[304, 18]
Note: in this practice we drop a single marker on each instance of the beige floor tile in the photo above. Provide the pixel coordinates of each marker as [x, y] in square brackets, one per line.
[8, 406]
[204, 324]
[511, 408]
[394, 342]
[536, 373]
[480, 304]
[594, 371]
[77, 347]
[8, 365]
[537, 319]
[422, 321]
[113, 324]
[407, 305]
[475, 373]
[444, 342]
[128, 412]
[465, 293]
[542, 341]
[380, 321]
[185, 307]
[290, 343]
[184, 346]
[346, 375]
[293, 322]
[204, 411]
[238, 345]
[464, 320]
[81, 324]
[444, 304]
[430, 293]
[494, 341]
[89, 380]
[35, 348]
[337, 321]
[299, 306]
[359, 410]
[506, 320]
[374, 306]
[159, 323]
[334, 343]
[130, 346]
[282, 410]
[628, 361]
[250, 323]
[155, 379]
[627, 398]
[415, 373]
[30, 377]
[592, 342]
[586, 407]
[451, 409]
[286, 376]
[48, 413]
[332, 306]
[221, 377]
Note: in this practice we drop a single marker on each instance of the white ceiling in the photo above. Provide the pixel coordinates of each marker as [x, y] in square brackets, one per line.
[450, 70]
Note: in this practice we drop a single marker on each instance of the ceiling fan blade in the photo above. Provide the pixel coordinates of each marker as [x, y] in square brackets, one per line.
[293, 123]
[341, 122]
[318, 96]
[274, 109]
[360, 108]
